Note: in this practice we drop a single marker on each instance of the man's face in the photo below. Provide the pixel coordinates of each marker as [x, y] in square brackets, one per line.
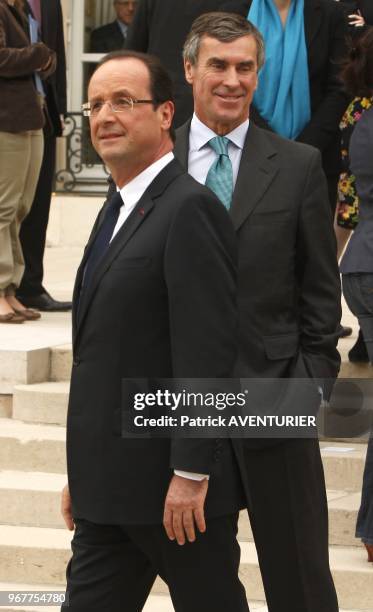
[132, 136]
[224, 80]
[125, 10]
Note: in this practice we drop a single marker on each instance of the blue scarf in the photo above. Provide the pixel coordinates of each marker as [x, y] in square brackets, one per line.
[283, 94]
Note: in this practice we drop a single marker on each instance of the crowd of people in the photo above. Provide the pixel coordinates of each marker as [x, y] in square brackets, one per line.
[273, 105]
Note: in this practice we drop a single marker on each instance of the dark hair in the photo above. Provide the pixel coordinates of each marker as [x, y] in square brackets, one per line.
[357, 71]
[161, 86]
[225, 27]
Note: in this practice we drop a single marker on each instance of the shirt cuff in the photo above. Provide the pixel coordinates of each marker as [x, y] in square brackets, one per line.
[191, 475]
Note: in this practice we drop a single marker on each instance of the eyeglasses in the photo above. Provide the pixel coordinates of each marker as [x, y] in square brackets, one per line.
[120, 105]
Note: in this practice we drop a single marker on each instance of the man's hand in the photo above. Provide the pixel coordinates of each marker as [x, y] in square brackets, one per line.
[66, 508]
[185, 504]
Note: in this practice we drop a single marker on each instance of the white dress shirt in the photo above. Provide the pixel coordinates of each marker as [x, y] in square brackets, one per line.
[135, 189]
[202, 156]
[131, 194]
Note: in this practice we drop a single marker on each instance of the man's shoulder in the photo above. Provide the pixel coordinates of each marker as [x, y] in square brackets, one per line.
[183, 191]
[105, 30]
[285, 146]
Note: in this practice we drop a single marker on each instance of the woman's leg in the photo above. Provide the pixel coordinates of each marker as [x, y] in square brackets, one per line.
[33, 164]
[14, 154]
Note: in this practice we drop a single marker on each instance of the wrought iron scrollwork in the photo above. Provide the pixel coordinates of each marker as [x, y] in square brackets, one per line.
[80, 158]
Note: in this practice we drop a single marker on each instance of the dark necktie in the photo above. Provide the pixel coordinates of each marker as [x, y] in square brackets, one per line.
[36, 9]
[102, 239]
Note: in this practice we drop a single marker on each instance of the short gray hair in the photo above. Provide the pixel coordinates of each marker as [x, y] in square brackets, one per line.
[225, 27]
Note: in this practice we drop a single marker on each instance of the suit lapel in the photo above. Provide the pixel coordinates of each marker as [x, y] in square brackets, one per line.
[126, 232]
[80, 271]
[257, 170]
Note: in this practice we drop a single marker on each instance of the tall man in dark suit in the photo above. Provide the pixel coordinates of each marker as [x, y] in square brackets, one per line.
[288, 294]
[33, 233]
[112, 36]
[159, 300]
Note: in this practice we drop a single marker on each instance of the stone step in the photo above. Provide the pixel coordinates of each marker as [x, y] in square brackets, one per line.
[34, 555]
[33, 499]
[23, 366]
[343, 465]
[41, 448]
[61, 362]
[343, 508]
[32, 448]
[25, 350]
[6, 403]
[44, 403]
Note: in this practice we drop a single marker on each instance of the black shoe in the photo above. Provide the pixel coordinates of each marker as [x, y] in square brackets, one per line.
[344, 331]
[359, 353]
[44, 302]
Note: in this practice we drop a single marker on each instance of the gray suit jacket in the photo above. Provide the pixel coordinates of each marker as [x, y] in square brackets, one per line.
[359, 253]
[288, 283]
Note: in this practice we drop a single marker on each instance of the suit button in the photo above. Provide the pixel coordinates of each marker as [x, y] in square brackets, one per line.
[76, 362]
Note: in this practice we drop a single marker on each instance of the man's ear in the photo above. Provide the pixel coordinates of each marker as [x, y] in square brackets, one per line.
[167, 110]
[189, 72]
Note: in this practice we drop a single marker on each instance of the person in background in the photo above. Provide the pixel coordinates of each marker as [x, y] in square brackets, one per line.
[299, 95]
[357, 263]
[112, 36]
[23, 65]
[31, 291]
[359, 13]
[160, 28]
[347, 212]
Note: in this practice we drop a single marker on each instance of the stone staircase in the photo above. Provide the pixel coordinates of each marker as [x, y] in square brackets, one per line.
[35, 547]
[35, 364]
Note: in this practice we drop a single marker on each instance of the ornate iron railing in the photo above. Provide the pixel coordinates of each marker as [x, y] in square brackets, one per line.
[83, 171]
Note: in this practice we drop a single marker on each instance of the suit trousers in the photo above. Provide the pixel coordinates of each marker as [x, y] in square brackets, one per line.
[34, 227]
[289, 520]
[21, 156]
[114, 567]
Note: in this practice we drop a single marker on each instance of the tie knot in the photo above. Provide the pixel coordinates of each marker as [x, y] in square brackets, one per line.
[115, 202]
[219, 144]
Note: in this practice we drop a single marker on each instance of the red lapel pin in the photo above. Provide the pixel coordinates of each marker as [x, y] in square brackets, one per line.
[141, 211]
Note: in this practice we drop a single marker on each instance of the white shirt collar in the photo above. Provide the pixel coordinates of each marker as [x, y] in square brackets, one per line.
[132, 192]
[200, 134]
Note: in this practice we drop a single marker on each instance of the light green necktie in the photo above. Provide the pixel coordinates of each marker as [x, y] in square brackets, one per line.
[220, 175]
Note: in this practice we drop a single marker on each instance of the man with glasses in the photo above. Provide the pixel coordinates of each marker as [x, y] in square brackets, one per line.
[112, 36]
[154, 297]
